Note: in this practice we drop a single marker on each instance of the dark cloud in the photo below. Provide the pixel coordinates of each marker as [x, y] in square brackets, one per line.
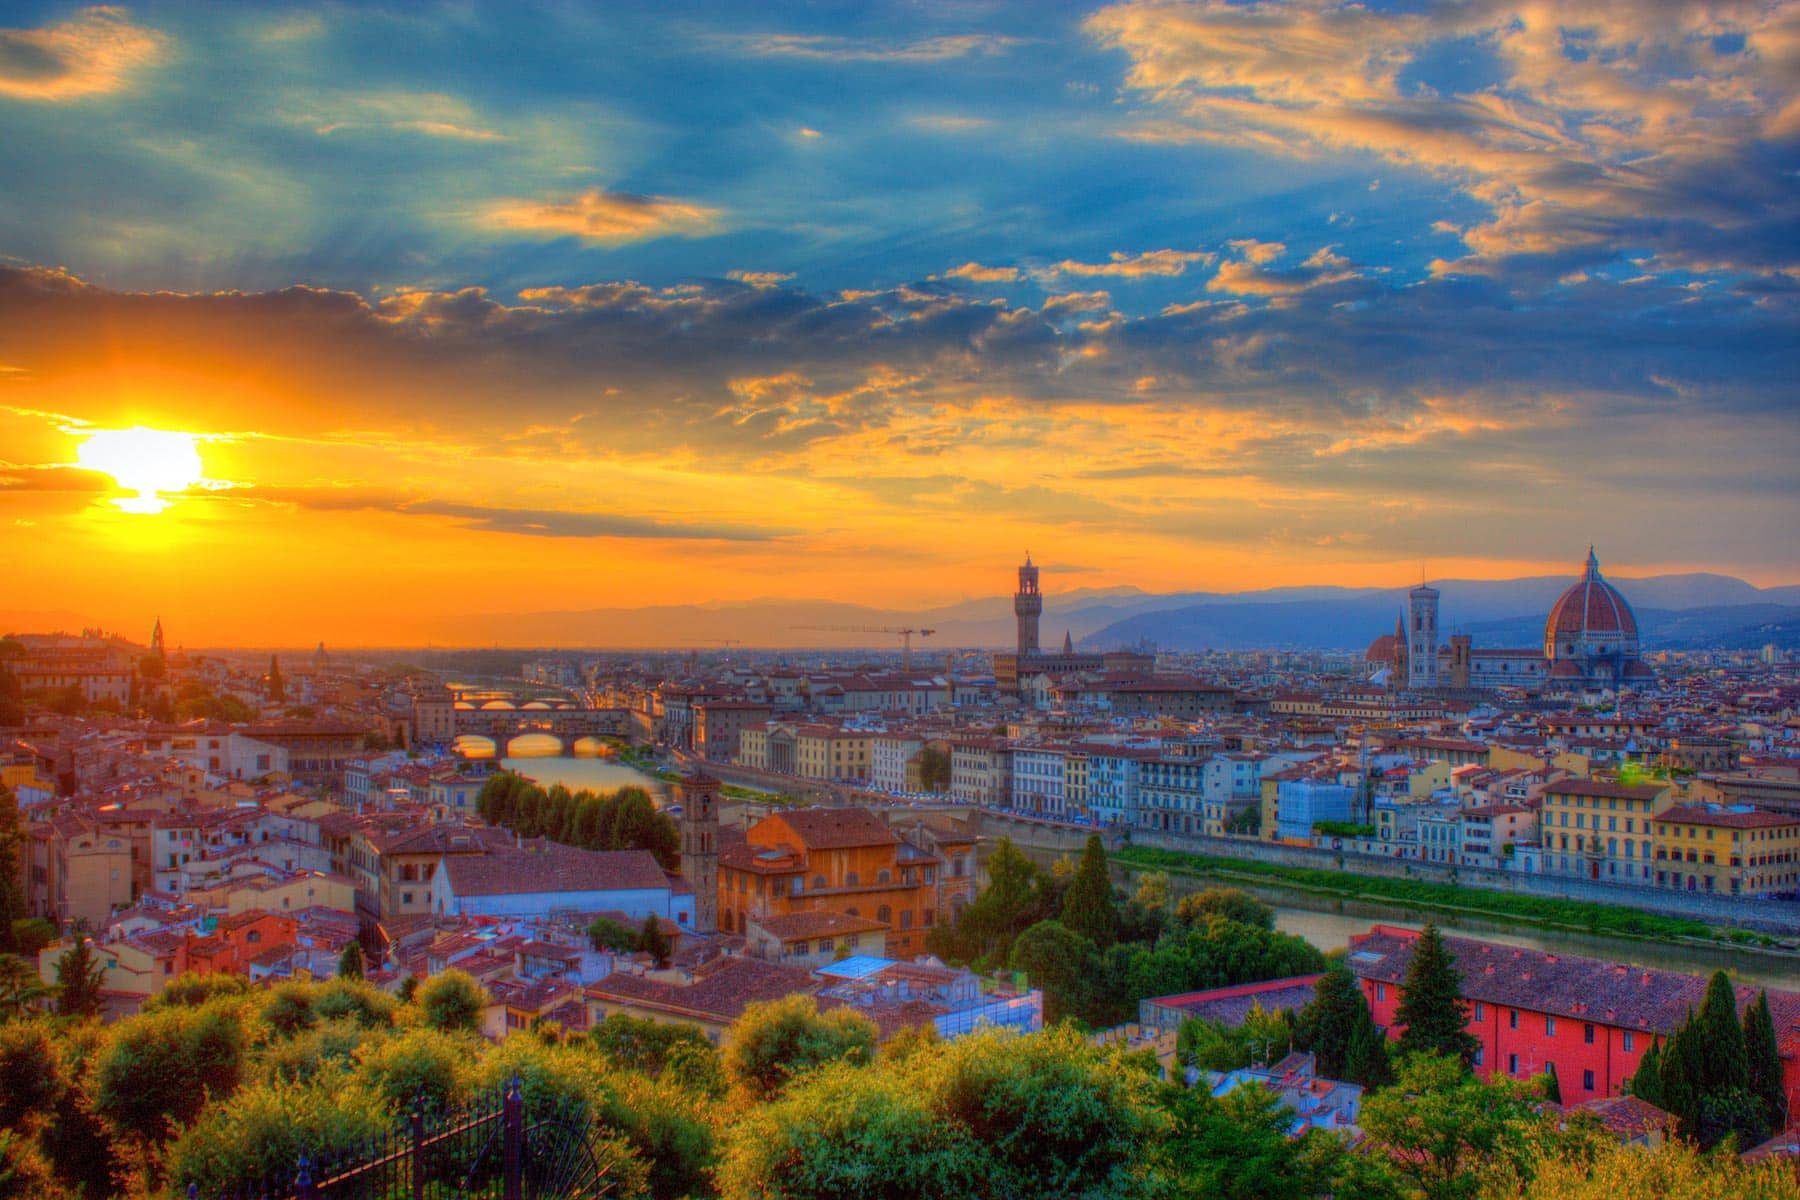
[530, 522]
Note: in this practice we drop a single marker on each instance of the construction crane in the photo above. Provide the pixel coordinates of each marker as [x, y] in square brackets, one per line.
[905, 636]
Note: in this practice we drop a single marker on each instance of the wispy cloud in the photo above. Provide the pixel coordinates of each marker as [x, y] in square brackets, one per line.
[760, 278]
[851, 50]
[602, 216]
[974, 272]
[95, 53]
[1129, 266]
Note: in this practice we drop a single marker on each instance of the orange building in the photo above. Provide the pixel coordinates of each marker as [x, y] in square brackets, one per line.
[842, 860]
[238, 939]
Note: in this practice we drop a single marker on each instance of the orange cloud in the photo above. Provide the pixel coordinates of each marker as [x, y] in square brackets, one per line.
[92, 55]
[1128, 266]
[601, 216]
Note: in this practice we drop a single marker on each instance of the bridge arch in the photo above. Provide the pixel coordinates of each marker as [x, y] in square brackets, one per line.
[535, 744]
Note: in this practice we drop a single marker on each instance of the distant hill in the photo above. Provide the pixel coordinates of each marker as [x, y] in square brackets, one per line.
[1688, 610]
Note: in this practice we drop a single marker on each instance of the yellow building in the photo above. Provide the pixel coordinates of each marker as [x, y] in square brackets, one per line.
[1598, 829]
[286, 895]
[824, 752]
[91, 871]
[1700, 849]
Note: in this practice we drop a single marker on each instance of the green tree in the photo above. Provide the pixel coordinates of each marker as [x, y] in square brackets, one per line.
[277, 689]
[631, 1044]
[1442, 1128]
[934, 769]
[1646, 1082]
[653, 941]
[160, 1070]
[1368, 1062]
[1233, 904]
[1058, 961]
[452, 1002]
[608, 934]
[1763, 1060]
[1238, 1147]
[1016, 897]
[778, 1041]
[1088, 906]
[1726, 1063]
[1332, 1019]
[79, 977]
[12, 901]
[31, 934]
[1431, 1009]
[1552, 1086]
[32, 1079]
[350, 962]
[20, 987]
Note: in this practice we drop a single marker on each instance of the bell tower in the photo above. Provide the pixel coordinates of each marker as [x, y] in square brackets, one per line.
[1028, 606]
[698, 795]
[156, 639]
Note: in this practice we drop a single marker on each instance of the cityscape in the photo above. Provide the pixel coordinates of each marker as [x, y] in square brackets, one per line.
[1159, 599]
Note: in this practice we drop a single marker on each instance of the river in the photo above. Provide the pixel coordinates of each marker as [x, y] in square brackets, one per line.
[594, 774]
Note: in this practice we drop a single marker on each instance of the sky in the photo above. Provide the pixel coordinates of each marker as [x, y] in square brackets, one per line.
[487, 308]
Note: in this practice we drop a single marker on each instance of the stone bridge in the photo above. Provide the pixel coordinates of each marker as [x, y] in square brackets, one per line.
[567, 725]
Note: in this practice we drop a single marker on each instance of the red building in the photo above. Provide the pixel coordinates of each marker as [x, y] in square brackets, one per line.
[1593, 1019]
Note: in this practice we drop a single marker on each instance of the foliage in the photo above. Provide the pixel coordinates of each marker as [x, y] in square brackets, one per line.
[1233, 904]
[1441, 1127]
[79, 975]
[31, 1074]
[191, 991]
[12, 900]
[452, 1002]
[631, 1044]
[353, 999]
[1763, 1061]
[1704, 1073]
[608, 934]
[1417, 893]
[983, 1116]
[157, 1073]
[653, 941]
[350, 962]
[1551, 1084]
[1431, 1007]
[1646, 1083]
[1331, 1022]
[419, 1066]
[778, 1041]
[289, 1009]
[265, 1129]
[1217, 953]
[934, 769]
[21, 987]
[1263, 1037]
[1674, 1170]
[1060, 962]
[1237, 1147]
[1088, 908]
[623, 820]
[668, 1129]
[1349, 829]
[1018, 895]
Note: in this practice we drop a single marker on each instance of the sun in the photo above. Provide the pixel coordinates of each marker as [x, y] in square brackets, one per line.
[150, 462]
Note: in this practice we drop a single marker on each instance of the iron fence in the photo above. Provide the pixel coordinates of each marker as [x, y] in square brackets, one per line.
[489, 1149]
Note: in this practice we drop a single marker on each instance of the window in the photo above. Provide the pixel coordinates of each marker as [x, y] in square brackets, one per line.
[1380, 992]
[1481, 1056]
[1480, 1012]
[1587, 1081]
[1512, 1064]
[1512, 1019]
[885, 915]
[1587, 1034]
[1549, 1026]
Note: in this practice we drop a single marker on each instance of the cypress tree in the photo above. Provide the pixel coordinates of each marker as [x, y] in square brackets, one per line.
[1646, 1084]
[1088, 906]
[79, 975]
[1367, 1061]
[1680, 1073]
[653, 941]
[1763, 1059]
[1331, 1019]
[1724, 1064]
[277, 689]
[350, 963]
[1431, 1005]
[1552, 1085]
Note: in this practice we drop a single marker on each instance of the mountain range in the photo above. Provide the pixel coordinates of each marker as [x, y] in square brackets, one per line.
[1674, 611]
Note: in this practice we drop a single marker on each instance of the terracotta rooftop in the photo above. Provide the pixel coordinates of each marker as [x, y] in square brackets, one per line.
[837, 828]
[554, 868]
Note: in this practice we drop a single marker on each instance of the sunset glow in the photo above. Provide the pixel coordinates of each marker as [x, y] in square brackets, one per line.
[853, 304]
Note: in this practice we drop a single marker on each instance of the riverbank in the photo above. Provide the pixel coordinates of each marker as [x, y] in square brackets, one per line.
[1649, 940]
